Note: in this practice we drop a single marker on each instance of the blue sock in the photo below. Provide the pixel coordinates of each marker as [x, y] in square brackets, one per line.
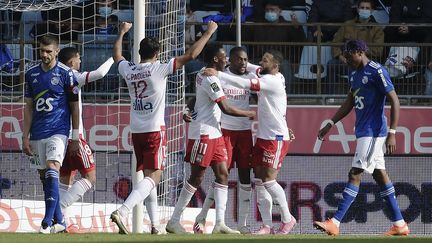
[58, 216]
[349, 194]
[388, 194]
[51, 190]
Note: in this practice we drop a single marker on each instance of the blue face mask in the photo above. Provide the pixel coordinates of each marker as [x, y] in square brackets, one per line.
[271, 16]
[105, 11]
[364, 14]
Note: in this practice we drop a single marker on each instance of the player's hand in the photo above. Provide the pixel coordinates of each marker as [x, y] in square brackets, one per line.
[125, 27]
[74, 147]
[187, 115]
[323, 131]
[390, 143]
[291, 134]
[210, 72]
[27, 147]
[251, 114]
[212, 27]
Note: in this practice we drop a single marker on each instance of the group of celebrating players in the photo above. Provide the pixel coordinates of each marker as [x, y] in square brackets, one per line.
[219, 133]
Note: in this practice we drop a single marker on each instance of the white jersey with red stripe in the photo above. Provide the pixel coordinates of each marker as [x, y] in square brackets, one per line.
[207, 114]
[272, 102]
[239, 98]
[147, 87]
[82, 79]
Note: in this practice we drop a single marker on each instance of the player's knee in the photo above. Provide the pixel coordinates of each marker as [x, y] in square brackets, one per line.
[195, 181]
[355, 174]
[222, 177]
[380, 176]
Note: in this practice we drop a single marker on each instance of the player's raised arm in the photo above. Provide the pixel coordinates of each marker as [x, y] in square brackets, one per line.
[100, 72]
[28, 117]
[197, 47]
[394, 119]
[117, 50]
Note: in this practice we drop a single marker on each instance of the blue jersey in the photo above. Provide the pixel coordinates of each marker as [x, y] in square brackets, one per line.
[369, 87]
[51, 92]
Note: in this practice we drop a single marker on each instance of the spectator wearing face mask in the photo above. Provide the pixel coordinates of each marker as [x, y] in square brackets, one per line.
[372, 34]
[106, 21]
[272, 31]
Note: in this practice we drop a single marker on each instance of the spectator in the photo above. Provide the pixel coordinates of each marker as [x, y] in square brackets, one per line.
[260, 33]
[406, 12]
[106, 22]
[373, 35]
[328, 11]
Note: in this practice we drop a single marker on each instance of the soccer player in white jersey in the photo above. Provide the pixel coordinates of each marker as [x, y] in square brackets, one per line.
[237, 134]
[83, 161]
[273, 136]
[51, 100]
[206, 146]
[370, 86]
[147, 82]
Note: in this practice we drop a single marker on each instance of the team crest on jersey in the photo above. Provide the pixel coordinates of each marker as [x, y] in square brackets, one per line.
[215, 87]
[365, 80]
[55, 80]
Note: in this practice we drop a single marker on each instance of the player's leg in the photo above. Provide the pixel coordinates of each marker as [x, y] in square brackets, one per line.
[388, 193]
[188, 190]
[243, 150]
[199, 153]
[151, 203]
[84, 162]
[150, 152]
[55, 148]
[362, 161]
[268, 171]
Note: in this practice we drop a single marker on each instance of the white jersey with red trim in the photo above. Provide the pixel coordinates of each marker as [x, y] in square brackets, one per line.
[272, 103]
[147, 85]
[239, 98]
[207, 114]
[82, 80]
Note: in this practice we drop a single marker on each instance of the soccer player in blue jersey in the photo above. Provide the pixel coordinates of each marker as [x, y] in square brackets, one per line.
[50, 102]
[370, 86]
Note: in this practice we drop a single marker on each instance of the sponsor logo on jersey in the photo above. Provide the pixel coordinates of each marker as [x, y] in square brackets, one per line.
[365, 80]
[140, 105]
[215, 87]
[34, 74]
[55, 80]
[268, 157]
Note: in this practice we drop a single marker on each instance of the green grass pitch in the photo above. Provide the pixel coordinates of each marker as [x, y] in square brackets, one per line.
[144, 238]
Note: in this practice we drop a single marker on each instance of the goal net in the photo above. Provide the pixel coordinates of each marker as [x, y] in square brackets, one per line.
[91, 27]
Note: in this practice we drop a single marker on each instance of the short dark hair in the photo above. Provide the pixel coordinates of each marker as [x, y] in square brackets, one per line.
[149, 46]
[277, 56]
[372, 3]
[355, 45]
[66, 54]
[210, 51]
[236, 50]
[47, 40]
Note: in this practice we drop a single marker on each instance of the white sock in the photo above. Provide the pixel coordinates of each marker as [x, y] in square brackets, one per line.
[75, 192]
[278, 196]
[221, 198]
[208, 202]
[265, 203]
[336, 222]
[138, 194]
[63, 189]
[185, 196]
[151, 203]
[244, 197]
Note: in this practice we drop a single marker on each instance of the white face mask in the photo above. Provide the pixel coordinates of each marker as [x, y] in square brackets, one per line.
[105, 11]
[271, 16]
[364, 13]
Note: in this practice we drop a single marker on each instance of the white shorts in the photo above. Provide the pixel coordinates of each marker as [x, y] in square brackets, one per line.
[369, 154]
[52, 148]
